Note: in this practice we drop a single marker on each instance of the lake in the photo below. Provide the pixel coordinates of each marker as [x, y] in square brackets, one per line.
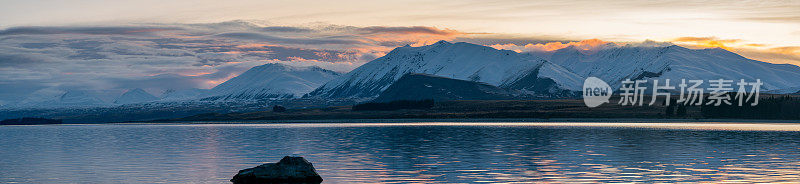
[405, 152]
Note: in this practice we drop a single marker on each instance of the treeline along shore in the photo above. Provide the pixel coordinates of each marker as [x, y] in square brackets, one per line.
[770, 107]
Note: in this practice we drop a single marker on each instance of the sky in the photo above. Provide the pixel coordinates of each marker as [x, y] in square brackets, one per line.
[108, 47]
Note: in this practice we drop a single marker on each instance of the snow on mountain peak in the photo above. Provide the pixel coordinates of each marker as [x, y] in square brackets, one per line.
[673, 62]
[459, 60]
[442, 42]
[272, 81]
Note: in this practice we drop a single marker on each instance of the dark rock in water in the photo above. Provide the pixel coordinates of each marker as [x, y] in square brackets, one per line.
[288, 170]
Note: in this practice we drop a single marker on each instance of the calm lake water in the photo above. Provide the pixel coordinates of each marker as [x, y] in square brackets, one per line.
[406, 152]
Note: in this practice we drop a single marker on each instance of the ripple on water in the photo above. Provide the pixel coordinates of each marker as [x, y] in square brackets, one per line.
[407, 152]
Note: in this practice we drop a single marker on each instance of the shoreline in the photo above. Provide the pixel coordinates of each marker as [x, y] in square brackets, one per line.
[477, 120]
[709, 125]
[465, 121]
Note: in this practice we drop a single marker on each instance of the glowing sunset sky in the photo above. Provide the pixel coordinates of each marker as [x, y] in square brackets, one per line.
[772, 22]
[772, 26]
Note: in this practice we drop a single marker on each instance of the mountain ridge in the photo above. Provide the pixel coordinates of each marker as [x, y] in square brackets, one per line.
[675, 63]
[272, 81]
[464, 61]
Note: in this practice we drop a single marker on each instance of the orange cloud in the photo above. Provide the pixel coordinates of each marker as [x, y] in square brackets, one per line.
[780, 55]
[586, 45]
[795, 50]
[755, 45]
[757, 51]
[708, 42]
[409, 30]
[416, 35]
[197, 74]
[214, 82]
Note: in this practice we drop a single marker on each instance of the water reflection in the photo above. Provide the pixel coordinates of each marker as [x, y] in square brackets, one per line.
[405, 153]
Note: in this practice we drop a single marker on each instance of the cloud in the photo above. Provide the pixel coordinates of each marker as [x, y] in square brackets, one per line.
[786, 50]
[286, 29]
[500, 39]
[174, 81]
[408, 30]
[18, 60]
[156, 57]
[780, 55]
[110, 59]
[284, 40]
[590, 44]
[757, 51]
[124, 30]
[396, 36]
[775, 18]
[709, 42]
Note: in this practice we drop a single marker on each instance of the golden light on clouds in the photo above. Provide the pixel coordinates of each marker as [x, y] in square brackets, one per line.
[416, 35]
[756, 51]
[708, 42]
[787, 50]
[590, 44]
[208, 84]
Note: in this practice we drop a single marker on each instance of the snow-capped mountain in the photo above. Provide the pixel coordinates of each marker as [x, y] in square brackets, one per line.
[462, 61]
[272, 81]
[135, 96]
[675, 63]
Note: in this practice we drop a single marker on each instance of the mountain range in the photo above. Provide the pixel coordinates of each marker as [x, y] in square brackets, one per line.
[463, 61]
[265, 82]
[451, 71]
[673, 62]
